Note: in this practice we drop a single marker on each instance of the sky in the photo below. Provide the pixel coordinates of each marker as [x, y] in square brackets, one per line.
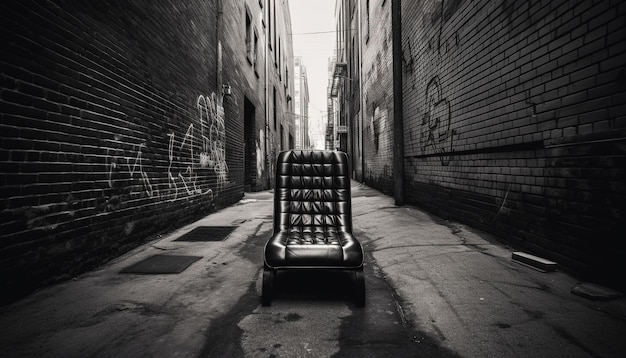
[313, 29]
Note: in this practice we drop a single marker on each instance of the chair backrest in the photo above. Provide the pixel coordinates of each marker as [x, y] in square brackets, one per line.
[312, 191]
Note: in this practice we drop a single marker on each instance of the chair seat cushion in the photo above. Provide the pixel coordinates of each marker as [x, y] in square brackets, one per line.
[304, 247]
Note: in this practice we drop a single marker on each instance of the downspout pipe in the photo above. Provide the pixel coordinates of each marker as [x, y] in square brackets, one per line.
[266, 70]
[218, 52]
[362, 104]
[398, 123]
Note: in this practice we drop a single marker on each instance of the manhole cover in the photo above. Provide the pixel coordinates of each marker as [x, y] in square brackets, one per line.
[207, 233]
[162, 264]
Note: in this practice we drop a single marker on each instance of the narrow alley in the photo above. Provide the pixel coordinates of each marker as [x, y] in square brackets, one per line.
[434, 288]
[141, 145]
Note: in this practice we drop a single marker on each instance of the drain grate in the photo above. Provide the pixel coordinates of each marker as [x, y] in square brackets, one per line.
[207, 233]
[162, 264]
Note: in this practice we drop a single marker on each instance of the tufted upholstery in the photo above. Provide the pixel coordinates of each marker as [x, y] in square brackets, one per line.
[312, 213]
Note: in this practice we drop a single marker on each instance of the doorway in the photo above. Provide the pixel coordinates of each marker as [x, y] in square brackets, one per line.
[249, 141]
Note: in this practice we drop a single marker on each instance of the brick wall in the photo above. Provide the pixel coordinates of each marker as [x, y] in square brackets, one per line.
[245, 75]
[113, 129]
[378, 93]
[515, 122]
[281, 76]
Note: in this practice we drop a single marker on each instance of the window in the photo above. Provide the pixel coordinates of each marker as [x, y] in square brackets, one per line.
[367, 14]
[278, 64]
[256, 52]
[282, 138]
[275, 109]
[269, 28]
[249, 35]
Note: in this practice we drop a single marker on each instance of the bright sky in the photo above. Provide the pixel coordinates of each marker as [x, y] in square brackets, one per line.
[313, 26]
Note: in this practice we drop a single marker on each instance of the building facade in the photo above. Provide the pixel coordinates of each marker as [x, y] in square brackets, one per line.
[120, 122]
[280, 89]
[332, 139]
[513, 118]
[362, 89]
[303, 140]
[377, 93]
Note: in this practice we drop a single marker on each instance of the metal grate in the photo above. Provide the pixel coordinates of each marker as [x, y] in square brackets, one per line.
[162, 264]
[207, 233]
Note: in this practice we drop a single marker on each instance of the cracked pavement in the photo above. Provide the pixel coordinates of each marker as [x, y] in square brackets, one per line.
[434, 288]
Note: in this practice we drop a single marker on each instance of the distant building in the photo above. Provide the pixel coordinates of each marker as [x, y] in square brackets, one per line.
[269, 125]
[301, 105]
[317, 130]
[345, 86]
[332, 139]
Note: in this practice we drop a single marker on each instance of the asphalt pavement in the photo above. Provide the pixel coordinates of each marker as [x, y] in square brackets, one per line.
[434, 289]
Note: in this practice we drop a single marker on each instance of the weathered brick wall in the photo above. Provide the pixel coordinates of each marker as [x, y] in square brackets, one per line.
[378, 93]
[282, 54]
[515, 122]
[246, 77]
[113, 128]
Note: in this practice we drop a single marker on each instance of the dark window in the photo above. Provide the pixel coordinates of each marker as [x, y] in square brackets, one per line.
[275, 109]
[282, 138]
[249, 37]
[256, 50]
[367, 14]
[270, 22]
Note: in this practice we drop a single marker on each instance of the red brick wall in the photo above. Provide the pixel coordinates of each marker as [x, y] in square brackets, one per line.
[378, 94]
[515, 122]
[113, 128]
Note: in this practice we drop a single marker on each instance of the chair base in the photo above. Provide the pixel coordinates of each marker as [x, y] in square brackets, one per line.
[269, 275]
[359, 292]
[268, 286]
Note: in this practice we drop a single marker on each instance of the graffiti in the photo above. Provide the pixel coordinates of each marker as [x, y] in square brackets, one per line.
[436, 122]
[260, 159]
[408, 64]
[187, 178]
[138, 167]
[436, 137]
[200, 150]
[211, 143]
[170, 155]
[213, 153]
[120, 166]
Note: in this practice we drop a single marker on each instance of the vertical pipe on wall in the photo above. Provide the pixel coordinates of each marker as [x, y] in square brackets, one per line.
[267, 99]
[398, 126]
[361, 96]
[218, 48]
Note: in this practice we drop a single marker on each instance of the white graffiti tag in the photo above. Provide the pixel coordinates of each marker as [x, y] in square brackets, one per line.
[117, 167]
[196, 161]
[213, 134]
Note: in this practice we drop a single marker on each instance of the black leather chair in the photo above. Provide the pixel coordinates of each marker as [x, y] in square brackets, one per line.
[312, 219]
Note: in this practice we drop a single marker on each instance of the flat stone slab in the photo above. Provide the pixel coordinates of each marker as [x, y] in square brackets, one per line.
[595, 292]
[162, 264]
[207, 233]
[535, 261]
